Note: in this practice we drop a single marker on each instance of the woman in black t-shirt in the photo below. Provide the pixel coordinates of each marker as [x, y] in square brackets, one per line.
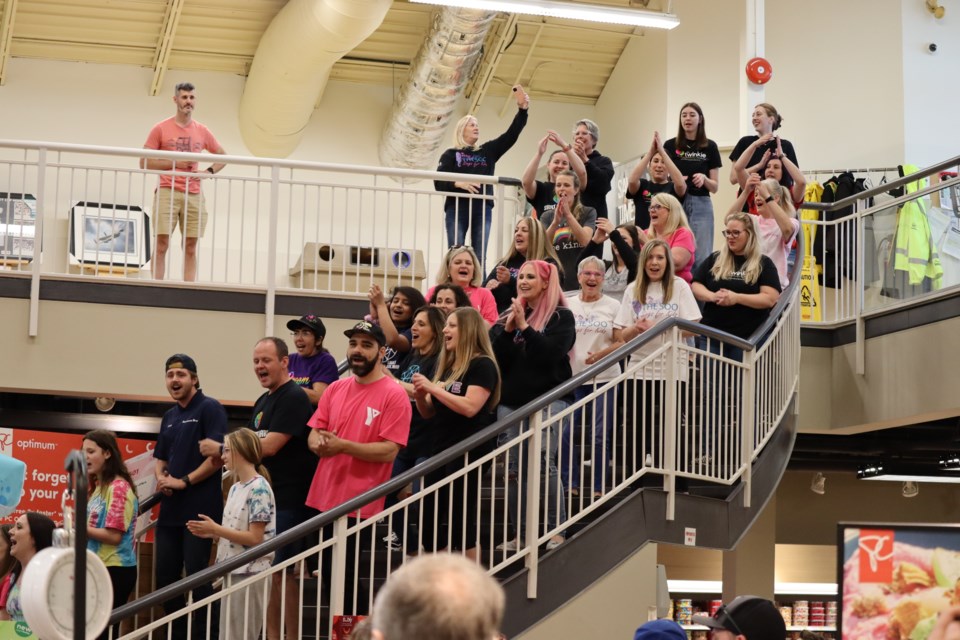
[529, 243]
[766, 120]
[665, 177]
[426, 339]
[542, 195]
[569, 226]
[698, 159]
[460, 398]
[738, 284]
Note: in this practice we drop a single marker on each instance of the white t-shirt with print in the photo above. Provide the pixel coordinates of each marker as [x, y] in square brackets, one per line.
[594, 331]
[681, 305]
[250, 501]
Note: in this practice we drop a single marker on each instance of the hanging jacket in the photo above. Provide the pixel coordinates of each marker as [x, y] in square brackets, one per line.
[916, 251]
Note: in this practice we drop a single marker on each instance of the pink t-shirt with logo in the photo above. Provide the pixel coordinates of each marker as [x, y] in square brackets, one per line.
[361, 413]
[167, 135]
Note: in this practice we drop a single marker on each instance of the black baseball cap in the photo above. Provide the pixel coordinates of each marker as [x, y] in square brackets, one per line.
[311, 322]
[368, 328]
[181, 361]
[750, 616]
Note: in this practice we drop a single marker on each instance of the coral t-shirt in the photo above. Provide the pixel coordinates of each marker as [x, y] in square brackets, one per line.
[362, 413]
[167, 135]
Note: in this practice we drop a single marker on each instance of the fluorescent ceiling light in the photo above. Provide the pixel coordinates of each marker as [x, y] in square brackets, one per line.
[779, 588]
[568, 10]
[913, 477]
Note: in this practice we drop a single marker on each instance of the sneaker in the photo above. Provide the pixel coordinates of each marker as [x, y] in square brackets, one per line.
[648, 460]
[555, 542]
[508, 545]
[393, 541]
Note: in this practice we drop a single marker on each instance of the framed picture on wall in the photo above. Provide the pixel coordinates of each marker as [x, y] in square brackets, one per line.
[109, 234]
[18, 219]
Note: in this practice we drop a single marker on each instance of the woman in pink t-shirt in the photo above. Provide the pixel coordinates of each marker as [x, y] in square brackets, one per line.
[459, 267]
[669, 223]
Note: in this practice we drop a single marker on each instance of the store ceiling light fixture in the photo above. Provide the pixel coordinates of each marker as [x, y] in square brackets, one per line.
[569, 11]
[913, 473]
[818, 484]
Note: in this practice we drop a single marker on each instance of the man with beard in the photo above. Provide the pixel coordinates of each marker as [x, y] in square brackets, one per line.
[359, 426]
[280, 419]
[190, 484]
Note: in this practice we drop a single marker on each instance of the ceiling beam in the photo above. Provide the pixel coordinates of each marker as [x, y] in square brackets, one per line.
[491, 62]
[161, 58]
[6, 36]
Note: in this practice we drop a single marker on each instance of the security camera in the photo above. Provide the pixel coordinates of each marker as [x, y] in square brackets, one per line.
[932, 47]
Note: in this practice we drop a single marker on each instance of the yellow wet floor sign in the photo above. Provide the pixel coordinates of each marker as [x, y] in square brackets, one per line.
[809, 291]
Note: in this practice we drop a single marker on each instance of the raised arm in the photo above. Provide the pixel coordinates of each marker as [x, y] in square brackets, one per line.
[529, 177]
[576, 163]
[633, 181]
[679, 182]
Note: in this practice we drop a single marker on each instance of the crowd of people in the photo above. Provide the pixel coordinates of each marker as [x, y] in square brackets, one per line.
[430, 369]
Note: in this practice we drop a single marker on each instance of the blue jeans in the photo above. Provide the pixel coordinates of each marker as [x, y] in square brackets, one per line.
[475, 215]
[598, 418]
[551, 488]
[699, 210]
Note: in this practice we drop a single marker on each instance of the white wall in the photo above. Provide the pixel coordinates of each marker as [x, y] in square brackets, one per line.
[931, 91]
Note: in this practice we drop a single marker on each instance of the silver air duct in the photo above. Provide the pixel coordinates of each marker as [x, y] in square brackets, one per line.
[292, 65]
[438, 75]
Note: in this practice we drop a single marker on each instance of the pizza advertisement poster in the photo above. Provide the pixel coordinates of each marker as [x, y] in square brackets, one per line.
[44, 453]
[895, 579]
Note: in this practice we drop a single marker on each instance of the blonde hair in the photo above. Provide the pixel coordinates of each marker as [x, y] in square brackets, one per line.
[676, 216]
[538, 245]
[778, 190]
[642, 282]
[246, 443]
[725, 266]
[443, 274]
[473, 342]
[458, 141]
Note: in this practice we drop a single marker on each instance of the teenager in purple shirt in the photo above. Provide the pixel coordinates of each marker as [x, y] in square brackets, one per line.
[311, 367]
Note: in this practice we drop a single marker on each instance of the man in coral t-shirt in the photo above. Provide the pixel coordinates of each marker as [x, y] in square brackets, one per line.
[178, 199]
[359, 426]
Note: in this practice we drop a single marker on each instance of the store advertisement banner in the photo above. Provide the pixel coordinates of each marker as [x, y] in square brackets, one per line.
[15, 631]
[44, 453]
[896, 579]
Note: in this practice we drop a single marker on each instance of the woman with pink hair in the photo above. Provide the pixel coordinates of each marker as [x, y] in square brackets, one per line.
[532, 341]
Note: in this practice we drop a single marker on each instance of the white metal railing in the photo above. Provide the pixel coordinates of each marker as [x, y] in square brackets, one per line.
[854, 244]
[707, 415]
[274, 225]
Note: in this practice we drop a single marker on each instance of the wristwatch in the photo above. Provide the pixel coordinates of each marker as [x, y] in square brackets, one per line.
[768, 199]
[186, 480]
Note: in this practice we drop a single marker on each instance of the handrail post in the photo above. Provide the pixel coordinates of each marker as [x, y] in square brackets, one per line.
[532, 490]
[670, 426]
[338, 571]
[32, 326]
[272, 234]
[76, 465]
[748, 412]
[861, 298]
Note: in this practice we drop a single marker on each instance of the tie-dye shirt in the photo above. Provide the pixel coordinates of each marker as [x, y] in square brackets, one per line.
[114, 506]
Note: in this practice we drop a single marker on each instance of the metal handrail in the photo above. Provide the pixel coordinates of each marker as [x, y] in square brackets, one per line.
[885, 187]
[396, 483]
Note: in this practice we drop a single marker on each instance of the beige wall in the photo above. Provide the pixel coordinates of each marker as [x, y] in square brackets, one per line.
[119, 351]
[905, 381]
[612, 608]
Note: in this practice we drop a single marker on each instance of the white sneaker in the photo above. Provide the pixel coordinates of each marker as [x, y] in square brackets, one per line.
[508, 545]
[648, 460]
[553, 543]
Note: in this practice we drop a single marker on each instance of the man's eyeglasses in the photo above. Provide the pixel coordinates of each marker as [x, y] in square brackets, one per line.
[727, 233]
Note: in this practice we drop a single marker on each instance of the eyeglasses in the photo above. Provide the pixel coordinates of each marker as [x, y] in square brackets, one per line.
[727, 233]
[725, 620]
[591, 274]
[655, 206]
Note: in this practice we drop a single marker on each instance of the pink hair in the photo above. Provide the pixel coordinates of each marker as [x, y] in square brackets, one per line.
[550, 299]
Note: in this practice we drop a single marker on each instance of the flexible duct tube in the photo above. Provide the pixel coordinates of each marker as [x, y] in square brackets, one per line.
[292, 66]
[420, 115]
